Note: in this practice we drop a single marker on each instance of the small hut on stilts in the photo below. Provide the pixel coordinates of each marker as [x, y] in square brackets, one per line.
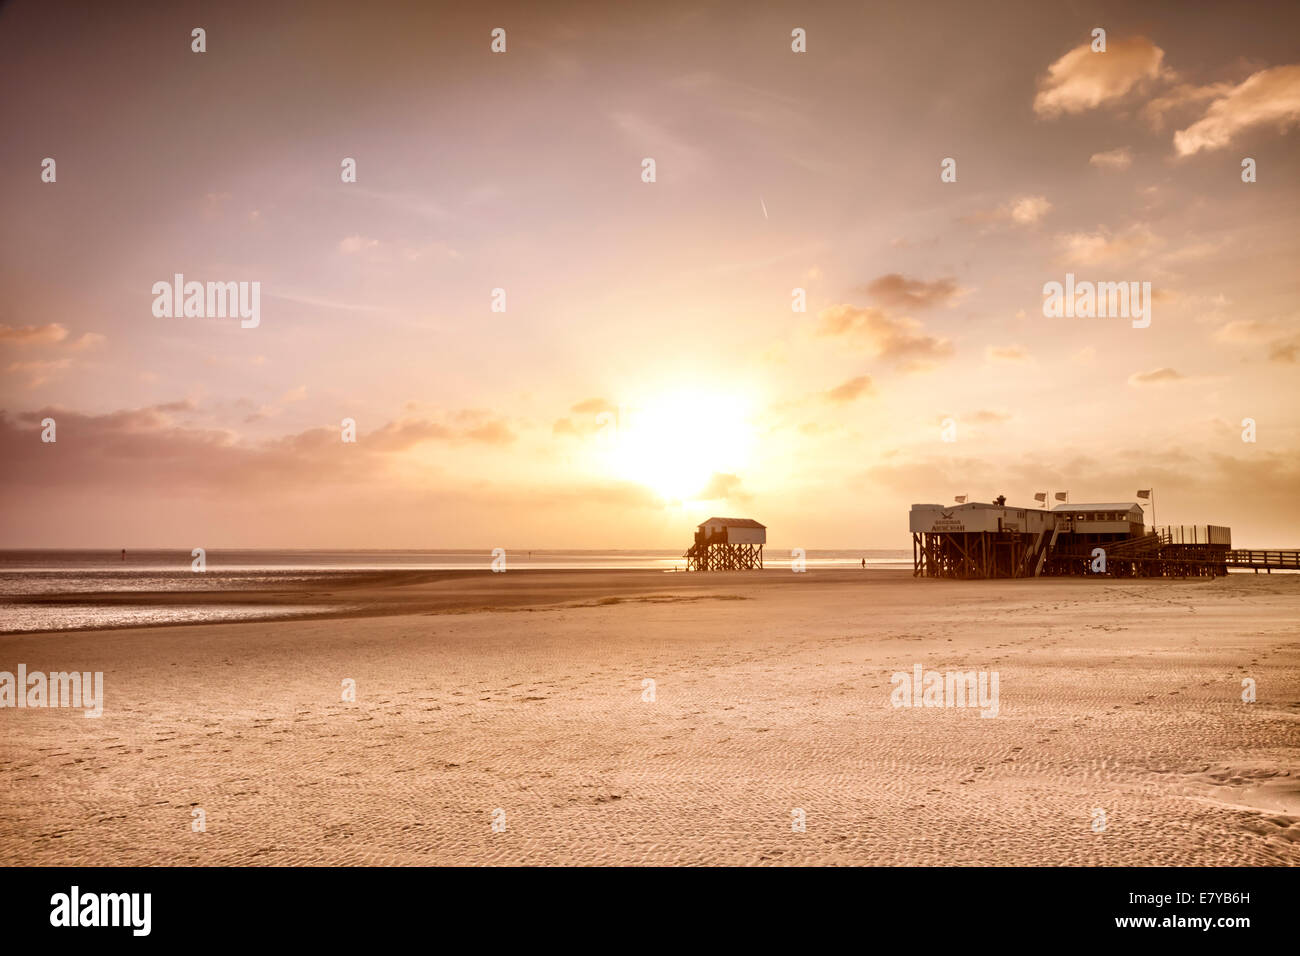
[727, 544]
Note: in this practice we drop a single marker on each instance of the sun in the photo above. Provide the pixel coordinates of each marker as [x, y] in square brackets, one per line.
[676, 442]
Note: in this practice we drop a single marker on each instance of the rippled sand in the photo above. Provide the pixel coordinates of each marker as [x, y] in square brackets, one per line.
[772, 693]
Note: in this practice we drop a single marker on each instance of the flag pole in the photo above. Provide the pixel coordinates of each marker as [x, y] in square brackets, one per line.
[1150, 495]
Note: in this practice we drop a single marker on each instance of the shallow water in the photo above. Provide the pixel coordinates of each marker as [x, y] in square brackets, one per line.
[28, 575]
[68, 617]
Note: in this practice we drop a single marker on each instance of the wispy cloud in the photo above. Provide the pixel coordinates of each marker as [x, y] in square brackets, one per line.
[1157, 376]
[899, 291]
[882, 336]
[1117, 159]
[851, 390]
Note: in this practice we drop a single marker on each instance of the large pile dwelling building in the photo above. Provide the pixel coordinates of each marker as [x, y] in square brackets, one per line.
[977, 540]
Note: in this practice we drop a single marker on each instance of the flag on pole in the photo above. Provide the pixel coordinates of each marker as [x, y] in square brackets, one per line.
[1040, 496]
[961, 499]
[1144, 494]
[1062, 495]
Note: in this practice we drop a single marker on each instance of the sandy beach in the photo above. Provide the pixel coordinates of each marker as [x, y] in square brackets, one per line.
[525, 693]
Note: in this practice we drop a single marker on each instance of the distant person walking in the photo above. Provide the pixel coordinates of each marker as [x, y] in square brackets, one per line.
[124, 554]
[864, 564]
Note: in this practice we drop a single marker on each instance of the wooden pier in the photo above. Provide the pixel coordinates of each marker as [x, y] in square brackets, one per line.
[1264, 560]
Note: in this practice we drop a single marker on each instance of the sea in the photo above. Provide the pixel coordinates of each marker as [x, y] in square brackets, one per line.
[49, 590]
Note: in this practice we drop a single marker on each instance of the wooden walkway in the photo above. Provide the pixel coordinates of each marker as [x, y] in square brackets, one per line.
[1264, 560]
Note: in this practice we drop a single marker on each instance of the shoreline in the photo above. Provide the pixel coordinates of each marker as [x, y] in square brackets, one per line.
[389, 593]
[370, 594]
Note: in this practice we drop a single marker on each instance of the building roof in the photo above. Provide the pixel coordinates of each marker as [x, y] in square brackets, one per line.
[1112, 506]
[734, 523]
[975, 505]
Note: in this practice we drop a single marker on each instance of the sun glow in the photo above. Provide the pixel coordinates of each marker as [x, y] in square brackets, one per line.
[675, 443]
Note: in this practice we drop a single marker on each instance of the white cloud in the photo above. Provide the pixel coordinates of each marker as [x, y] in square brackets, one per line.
[1083, 80]
[1113, 159]
[1268, 97]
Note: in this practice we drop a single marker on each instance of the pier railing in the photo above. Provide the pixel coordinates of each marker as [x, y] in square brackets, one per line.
[1286, 560]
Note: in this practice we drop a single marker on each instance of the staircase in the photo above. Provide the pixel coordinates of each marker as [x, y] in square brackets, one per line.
[697, 556]
[1138, 548]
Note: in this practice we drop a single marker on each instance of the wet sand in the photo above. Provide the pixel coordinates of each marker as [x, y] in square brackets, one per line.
[523, 692]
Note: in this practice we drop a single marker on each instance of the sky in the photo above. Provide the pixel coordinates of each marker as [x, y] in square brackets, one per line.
[650, 367]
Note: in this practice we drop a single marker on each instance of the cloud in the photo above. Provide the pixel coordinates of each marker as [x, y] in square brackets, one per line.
[491, 433]
[1269, 97]
[593, 406]
[1007, 353]
[87, 340]
[1082, 80]
[1020, 211]
[982, 416]
[896, 290]
[723, 486]
[33, 334]
[401, 435]
[853, 389]
[883, 336]
[1288, 352]
[38, 371]
[986, 416]
[398, 436]
[591, 421]
[1089, 248]
[1113, 159]
[900, 242]
[1179, 97]
[355, 244]
[1029, 209]
[159, 449]
[1247, 330]
[1158, 376]
[53, 333]
[1195, 250]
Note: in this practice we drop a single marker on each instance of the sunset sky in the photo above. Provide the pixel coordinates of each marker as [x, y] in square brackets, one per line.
[649, 370]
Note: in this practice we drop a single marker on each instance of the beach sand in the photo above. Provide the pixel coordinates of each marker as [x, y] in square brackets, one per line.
[524, 692]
